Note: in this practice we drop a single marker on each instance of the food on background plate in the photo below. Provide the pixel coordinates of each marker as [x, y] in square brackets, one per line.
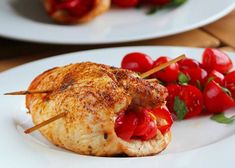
[81, 11]
[75, 11]
[195, 88]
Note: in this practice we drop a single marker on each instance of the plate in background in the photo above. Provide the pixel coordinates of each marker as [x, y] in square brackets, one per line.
[27, 20]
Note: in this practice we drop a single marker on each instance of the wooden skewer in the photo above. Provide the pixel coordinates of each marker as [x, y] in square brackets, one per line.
[144, 75]
[162, 66]
[36, 127]
[25, 92]
[152, 80]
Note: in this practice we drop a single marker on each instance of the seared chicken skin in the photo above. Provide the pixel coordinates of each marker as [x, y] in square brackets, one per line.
[93, 95]
[75, 11]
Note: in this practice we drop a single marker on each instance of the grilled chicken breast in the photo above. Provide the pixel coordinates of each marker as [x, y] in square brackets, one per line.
[93, 95]
[63, 16]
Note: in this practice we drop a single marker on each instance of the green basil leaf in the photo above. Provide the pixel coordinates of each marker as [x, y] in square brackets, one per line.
[210, 79]
[153, 10]
[180, 108]
[199, 86]
[183, 79]
[178, 2]
[221, 118]
[225, 90]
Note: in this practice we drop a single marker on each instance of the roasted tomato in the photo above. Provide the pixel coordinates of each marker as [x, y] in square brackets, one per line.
[163, 113]
[143, 123]
[214, 59]
[185, 101]
[126, 3]
[125, 125]
[151, 132]
[216, 98]
[170, 73]
[229, 82]
[137, 62]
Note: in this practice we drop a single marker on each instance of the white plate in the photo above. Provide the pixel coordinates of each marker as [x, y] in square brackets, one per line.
[26, 20]
[195, 142]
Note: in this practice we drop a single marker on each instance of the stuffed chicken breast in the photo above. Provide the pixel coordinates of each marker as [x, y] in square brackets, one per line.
[108, 110]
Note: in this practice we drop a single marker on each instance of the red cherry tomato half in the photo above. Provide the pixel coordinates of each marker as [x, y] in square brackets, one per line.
[216, 100]
[193, 100]
[151, 132]
[197, 76]
[125, 125]
[137, 62]
[126, 3]
[173, 91]
[214, 59]
[163, 113]
[188, 63]
[143, 123]
[229, 82]
[185, 101]
[170, 73]
[216, 76]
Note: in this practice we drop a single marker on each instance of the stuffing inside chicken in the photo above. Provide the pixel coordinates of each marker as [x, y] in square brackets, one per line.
[94, 96]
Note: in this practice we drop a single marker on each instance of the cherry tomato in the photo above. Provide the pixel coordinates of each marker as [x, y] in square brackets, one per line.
[185, 101]
[126, 3]
[125, 125]
[229, 82]
[163, 113]
[170, 73]
[137, 62]
[160, 2]
[188, 63]
[143, 123]
[197, 76]
[173, 91]
[214, 59]
[216, 99]
[146, 127]
[151, 132]
[216, 76]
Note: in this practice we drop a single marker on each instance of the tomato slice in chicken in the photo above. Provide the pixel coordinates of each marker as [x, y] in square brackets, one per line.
[163, 113]
[125, 125]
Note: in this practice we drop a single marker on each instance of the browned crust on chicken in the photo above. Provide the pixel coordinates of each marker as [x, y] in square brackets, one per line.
[63, 17]
[93, 95]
